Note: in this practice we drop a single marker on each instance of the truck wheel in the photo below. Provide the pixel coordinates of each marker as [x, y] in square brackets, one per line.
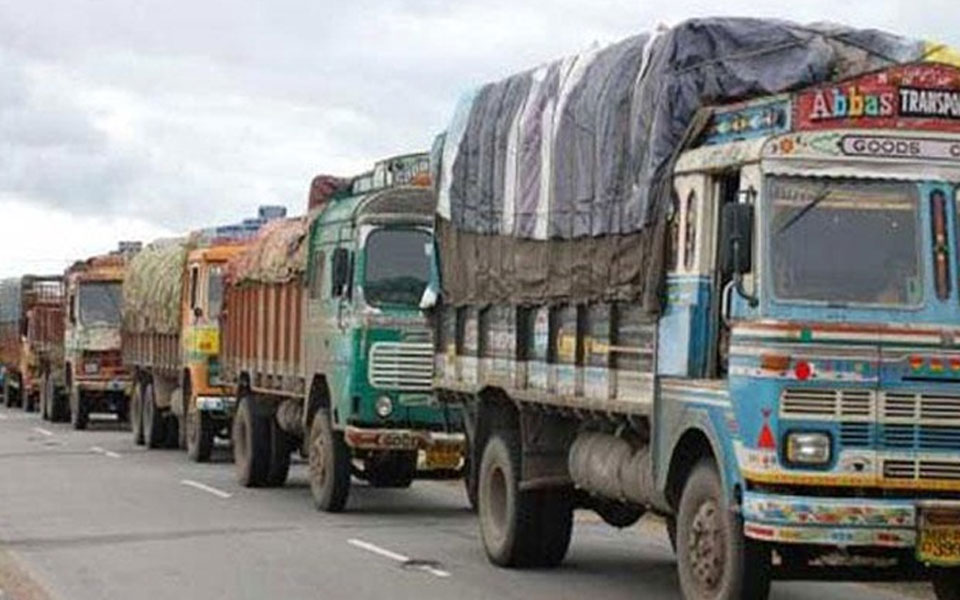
[78, 409]
[671, 523]
[59, 406]
[329, 460]
[32, 401]
[946, 584]
[714, 559]
[45, 395]
[154, 429]
[11, 396]
[200, 432]
[136, 413]
[251, 444]
[391, 469]
[281, 445]
[520, 528]
[470, 478]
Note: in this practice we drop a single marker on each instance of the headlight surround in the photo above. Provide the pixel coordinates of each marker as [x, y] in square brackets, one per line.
[808, 448]
[91, 367]
[384, 406]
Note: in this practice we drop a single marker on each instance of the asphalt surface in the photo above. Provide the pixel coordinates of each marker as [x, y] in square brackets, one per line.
[89, 515]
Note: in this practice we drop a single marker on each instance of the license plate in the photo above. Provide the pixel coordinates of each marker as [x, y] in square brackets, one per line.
[442, 459]
[938, 541]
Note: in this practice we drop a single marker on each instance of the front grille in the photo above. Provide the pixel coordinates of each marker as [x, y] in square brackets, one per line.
[909, 407]
[855, 435]
[846, 405]
[921, 469]
[401, 366]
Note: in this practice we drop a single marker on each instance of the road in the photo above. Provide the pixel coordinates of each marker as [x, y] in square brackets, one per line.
[89, 515]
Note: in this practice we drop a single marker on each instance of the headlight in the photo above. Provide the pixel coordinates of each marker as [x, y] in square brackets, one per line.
[384, 406]
[91, 368]
[806, 448]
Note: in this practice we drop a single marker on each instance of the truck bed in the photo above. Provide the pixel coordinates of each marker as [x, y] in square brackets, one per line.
[261, 336]
[158, 351]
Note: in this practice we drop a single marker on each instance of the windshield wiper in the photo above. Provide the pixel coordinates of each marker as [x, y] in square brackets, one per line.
[803, 211]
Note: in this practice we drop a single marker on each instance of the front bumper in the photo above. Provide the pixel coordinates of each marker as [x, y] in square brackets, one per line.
[116, 384]
[363, 438]
[835, 521]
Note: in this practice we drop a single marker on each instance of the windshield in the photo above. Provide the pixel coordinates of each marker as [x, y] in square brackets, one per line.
[214, 292]
[844, 241]
[397, 266]
[100, 303]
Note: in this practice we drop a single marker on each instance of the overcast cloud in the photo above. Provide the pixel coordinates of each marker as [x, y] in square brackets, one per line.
[134, 119]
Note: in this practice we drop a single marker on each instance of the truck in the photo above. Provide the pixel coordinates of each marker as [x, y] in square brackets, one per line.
[31, 340]
[95, 378]
[711, 274]
[327, 347]
[172, 303]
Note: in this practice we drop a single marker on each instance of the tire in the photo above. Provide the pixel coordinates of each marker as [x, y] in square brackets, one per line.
[46, 398]
[520, 528]
[470, 478]
[251, 444]
[136, 413]
[329, 461]
[59, 406]
[281, 446]
[11, 397]
[946, 584]
[31, 402]
[714, 559]
[79, 415]
[154, 426]
[199, 433]
[123, 409]
[671, 523]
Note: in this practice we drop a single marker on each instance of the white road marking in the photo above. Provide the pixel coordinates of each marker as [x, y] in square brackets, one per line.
[205, 488]
[3, 417]
[43, 431]
[104, 452]
[400, 558]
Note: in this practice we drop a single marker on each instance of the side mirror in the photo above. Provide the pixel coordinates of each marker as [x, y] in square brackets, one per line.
[736, 250]
[341, 270]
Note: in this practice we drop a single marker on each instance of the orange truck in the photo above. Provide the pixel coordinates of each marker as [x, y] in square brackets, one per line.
[31, 339]
[172, 305]
[95, 378]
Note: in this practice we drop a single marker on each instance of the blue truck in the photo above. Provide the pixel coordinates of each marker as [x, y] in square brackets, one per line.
[791, 407]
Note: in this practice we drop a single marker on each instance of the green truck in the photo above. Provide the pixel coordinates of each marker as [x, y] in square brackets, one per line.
[328, 349]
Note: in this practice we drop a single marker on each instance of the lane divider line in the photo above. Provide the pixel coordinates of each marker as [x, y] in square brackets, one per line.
[99, 450]
[400, 558]
[3, 417]
[43, 431]
[205, 488]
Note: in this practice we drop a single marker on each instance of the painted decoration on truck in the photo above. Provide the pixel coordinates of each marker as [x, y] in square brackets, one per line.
[922, 96]
[748, 121]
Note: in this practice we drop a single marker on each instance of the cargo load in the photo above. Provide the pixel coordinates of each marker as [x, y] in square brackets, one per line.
[581, 149]
[153, 287]
[279, 253]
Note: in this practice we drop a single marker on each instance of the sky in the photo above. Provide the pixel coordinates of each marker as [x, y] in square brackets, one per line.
[140, 119]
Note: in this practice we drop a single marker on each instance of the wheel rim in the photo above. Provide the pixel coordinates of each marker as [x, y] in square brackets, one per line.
[318, 462]
[707, 546]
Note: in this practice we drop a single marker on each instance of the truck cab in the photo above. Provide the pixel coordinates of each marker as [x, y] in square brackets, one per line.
[809, 341]
[370, 259]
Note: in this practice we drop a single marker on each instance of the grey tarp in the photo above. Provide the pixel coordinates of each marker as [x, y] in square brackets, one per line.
[554, 182]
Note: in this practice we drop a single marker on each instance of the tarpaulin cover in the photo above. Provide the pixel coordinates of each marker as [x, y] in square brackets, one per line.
[278, 254]
[153, 286]
[554, 182]
[10, 300]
